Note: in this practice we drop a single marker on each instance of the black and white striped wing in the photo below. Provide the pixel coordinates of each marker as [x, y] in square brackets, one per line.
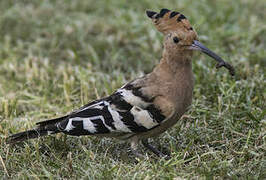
[125, 111]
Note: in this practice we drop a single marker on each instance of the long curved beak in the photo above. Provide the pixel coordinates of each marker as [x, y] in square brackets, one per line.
[200, 47]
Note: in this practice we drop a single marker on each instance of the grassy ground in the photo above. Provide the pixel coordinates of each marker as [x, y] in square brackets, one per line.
[58, 55]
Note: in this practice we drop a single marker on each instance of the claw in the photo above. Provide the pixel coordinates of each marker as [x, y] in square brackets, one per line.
[154, 150]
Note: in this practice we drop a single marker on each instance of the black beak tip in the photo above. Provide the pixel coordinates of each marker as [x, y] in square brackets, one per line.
[227, 66]
[232, 72]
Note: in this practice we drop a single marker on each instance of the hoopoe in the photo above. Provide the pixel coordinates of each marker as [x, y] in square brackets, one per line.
[146, 106]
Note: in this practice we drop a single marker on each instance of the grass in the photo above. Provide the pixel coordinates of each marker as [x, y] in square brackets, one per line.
[58, 55]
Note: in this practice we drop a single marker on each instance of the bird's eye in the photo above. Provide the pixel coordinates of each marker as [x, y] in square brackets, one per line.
[175, 39]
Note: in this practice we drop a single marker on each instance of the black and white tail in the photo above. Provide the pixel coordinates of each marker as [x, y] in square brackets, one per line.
[126, 112]
[44, 128]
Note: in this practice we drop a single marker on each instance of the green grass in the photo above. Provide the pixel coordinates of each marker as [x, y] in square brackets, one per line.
[58, 55]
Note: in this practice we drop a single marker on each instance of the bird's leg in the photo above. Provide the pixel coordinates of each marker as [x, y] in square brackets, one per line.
[153, 149]
[134, 145]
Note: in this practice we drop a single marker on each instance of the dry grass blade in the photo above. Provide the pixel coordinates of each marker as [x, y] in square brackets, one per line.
[4, 166]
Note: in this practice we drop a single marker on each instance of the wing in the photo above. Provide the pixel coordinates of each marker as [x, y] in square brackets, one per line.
[126, 111]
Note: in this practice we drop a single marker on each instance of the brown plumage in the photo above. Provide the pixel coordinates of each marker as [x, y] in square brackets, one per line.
[171, 82]
[144, 107]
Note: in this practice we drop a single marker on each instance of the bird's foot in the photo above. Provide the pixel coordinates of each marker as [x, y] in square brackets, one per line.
[155, 150]
[136, 150]
[138, 154]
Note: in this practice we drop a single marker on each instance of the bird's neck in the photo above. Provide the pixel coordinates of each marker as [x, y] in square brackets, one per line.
[175, 80]
[176, 63]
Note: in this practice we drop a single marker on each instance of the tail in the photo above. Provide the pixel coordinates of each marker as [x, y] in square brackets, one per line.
[31, 134]
[44, 128]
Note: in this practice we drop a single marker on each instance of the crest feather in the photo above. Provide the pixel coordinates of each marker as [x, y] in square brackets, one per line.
[168, 21]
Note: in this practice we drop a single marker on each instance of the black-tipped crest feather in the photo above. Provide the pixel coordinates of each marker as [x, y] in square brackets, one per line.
[181, 17]
[173, 14]
[163, 12]
[150, 13]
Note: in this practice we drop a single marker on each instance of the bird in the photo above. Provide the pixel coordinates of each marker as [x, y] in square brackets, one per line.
[146, 106]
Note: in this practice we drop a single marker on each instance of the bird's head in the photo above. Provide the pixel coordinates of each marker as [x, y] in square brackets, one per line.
[180, 37]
